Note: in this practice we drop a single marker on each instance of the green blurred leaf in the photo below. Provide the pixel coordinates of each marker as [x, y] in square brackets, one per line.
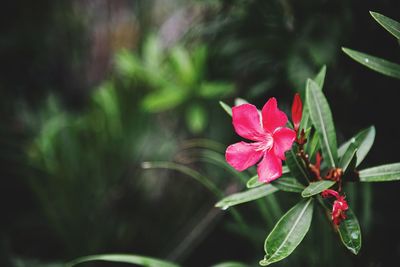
[296, 165]
[152, 53]
[230, 264]
[123, 258]
[199, 58]
[246, 196]
[363, 140]
[227, 108]
[350, 232]
[383, 173]
[163, 99]
[215, 89]
[288, 232]
[320, 78]
[389, 24]
[317, 187]
[183, 66]
[321, 117]
[377, 64]
[288, 184]
[128, 64]
[348, 156]
[196, 118]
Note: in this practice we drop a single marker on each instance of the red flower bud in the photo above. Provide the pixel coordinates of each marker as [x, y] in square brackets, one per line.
[297, 111]
[339, 206]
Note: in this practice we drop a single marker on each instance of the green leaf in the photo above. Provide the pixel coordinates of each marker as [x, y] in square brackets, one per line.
[246, 196]
[215, 89]
[320, 78]
[124, 258]
[164, 99]
[296, 165]
[363, 140]
[288, 184]
[183, 66]
[389, 24]
[196, 118]
[317, 187]
[288, 232]
[348, 155]
[350, 232]
[321, 117]
[383, 173]
[230, 264]
[227, 108]
[312, 145]
[377, 64]
[254, 182]
[152, 53]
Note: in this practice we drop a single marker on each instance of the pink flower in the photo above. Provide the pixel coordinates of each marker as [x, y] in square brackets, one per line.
[297, 111]
[339, 206]
[271, 139]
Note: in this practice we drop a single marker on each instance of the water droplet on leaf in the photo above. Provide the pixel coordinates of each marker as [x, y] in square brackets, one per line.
[354, 235]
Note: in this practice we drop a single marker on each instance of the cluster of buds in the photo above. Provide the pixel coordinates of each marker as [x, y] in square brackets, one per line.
[339, 206]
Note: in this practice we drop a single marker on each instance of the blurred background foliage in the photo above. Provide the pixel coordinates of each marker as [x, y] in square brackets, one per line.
[91, 89]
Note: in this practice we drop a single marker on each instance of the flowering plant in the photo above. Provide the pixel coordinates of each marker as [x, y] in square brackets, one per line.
[315, 167]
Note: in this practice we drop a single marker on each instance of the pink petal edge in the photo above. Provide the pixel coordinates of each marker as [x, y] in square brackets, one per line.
[242, 155]
[247, 123]
[272, 117]
[270, 167]
[283, 141]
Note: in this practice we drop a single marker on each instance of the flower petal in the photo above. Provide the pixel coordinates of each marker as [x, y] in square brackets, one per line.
[283, 141]
[247, 123]
[270, 167]
[272, 117]
[242, 155]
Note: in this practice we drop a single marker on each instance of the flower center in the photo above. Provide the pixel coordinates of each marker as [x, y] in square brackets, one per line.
[266, 144]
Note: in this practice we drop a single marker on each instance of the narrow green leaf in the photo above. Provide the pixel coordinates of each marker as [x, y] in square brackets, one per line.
[389, 24]
[183, 65]
[163, 99]
[230, 264]
[296, 165]
[246, 196]
[383, 173]
[350, 232]
[254, 182]
[363, 140]
[196, 118]
[124, 258]
[317, 187]
[215, 89]
[348, 155]
[312, 145]
[320, 78]
[288, 184]
[227, 108]
[321, 117]
[375, 63]
[288, 232]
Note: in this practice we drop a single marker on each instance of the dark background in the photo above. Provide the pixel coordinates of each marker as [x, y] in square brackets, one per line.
[81, 190]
